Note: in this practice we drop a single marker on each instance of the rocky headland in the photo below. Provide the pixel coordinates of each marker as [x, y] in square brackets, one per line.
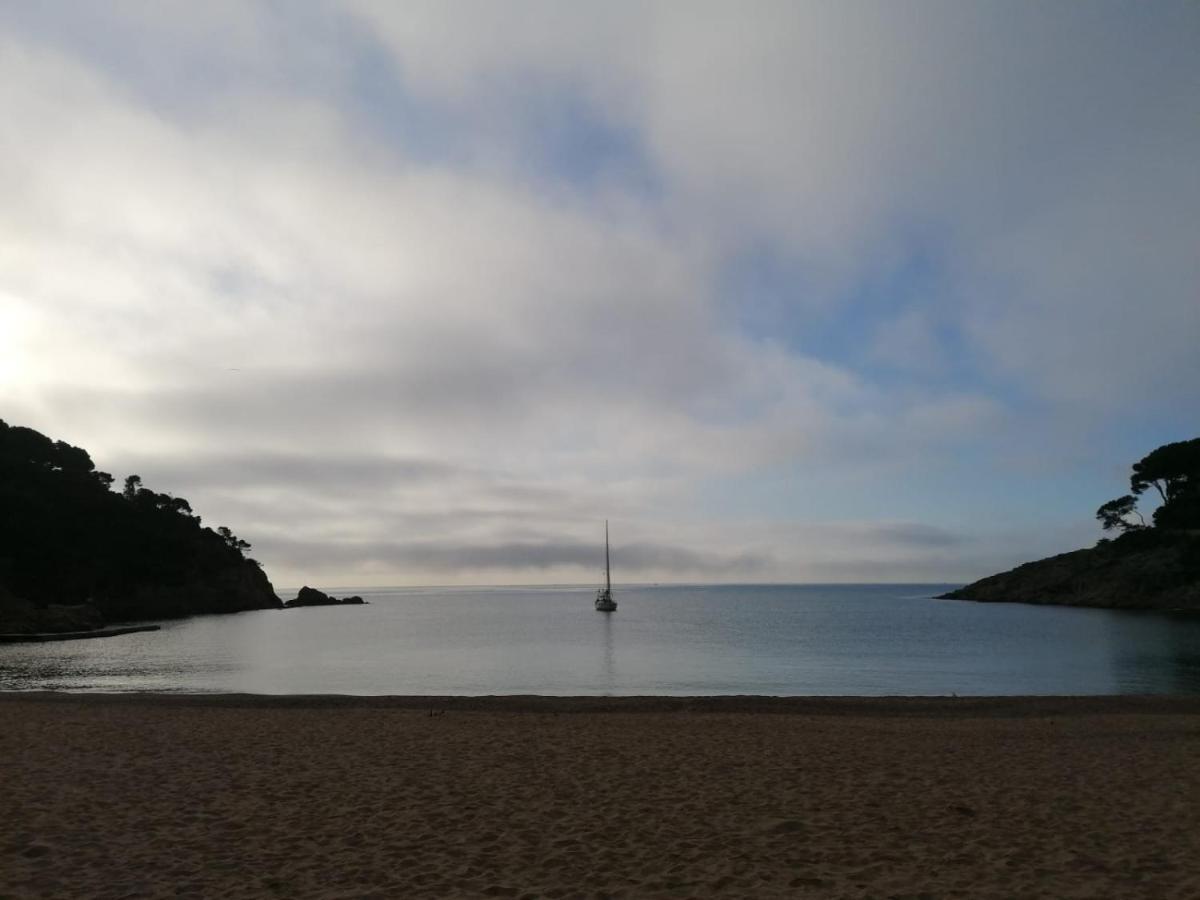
[1159, 575]
[1153, 565]
[76, 556]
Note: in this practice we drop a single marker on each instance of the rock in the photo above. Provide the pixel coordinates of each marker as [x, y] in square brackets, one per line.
[312, 597]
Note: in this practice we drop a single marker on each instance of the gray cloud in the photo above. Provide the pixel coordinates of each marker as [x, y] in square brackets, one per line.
[446, 558]
[917, 535]
[1053, 147]
[296, 264]
[328, 472]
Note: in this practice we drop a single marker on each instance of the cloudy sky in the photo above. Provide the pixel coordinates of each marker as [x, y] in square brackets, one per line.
[412, 293]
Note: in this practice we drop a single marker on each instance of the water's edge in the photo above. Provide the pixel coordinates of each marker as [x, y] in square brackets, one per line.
[435, 705]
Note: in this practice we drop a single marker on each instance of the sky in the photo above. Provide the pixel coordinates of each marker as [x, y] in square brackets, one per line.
[423, 293]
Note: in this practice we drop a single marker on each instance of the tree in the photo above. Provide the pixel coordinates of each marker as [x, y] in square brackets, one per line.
[1173, 470]
[232, 541]
[174, 504]
[133, 484]
[1115, 514]
[1170, 469]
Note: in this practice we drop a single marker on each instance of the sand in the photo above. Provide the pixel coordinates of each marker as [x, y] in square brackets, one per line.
[143, 796]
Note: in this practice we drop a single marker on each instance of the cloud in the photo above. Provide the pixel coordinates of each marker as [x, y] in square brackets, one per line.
[414, 280]
[1052, 147]
[456, 560]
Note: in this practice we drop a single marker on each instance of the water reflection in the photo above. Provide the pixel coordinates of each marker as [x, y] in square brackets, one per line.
[783, 639]
[609, 666]
[172, 659]
[124, 674]
[1155, 653]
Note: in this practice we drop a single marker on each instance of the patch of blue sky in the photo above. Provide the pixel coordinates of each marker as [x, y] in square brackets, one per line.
[569, 140]
[552, 134]
[1038, 475]
[158, 60]
[94, 35]
[770, 295]
[386, 111]
[1137, 434]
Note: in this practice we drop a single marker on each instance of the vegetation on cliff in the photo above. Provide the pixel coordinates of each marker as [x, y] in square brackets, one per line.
[1173, 470]
[1149, 565]
[68, 540]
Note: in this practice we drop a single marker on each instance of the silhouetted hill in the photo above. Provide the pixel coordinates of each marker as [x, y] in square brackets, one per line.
[1148, 566]
[67, 539]
[1139, 570]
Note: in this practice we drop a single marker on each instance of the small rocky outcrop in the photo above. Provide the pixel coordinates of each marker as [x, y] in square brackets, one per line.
[312, 597]
[1143, 570]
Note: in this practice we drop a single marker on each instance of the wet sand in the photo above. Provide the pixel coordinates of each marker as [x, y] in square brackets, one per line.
[233, 796]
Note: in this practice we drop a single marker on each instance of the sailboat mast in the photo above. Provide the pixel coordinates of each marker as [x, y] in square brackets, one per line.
[607, 574]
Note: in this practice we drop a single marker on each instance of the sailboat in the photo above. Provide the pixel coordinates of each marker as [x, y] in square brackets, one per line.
[604, 598]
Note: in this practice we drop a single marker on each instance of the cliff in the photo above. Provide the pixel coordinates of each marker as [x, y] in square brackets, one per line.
[1150, 569]
[75, 554]
[234, 587]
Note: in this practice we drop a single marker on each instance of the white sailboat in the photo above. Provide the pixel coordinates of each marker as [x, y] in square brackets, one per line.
[604, 598]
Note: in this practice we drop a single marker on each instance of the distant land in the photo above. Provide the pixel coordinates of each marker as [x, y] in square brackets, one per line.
[1152, 565]
[76, 555]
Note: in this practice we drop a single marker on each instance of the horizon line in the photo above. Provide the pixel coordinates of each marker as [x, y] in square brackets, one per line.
[631, 584]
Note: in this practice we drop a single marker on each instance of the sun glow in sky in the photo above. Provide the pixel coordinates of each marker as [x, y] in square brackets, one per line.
[424, 292]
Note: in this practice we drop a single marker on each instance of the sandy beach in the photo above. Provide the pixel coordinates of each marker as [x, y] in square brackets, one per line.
[236, 796]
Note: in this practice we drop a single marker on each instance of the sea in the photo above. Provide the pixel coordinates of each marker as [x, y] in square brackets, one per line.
[681, 640]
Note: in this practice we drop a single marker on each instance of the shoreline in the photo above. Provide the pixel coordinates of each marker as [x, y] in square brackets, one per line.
[1007, 706]
[42, 637]
[328, 797]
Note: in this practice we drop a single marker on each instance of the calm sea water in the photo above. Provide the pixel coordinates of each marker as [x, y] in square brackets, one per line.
[782, 640]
